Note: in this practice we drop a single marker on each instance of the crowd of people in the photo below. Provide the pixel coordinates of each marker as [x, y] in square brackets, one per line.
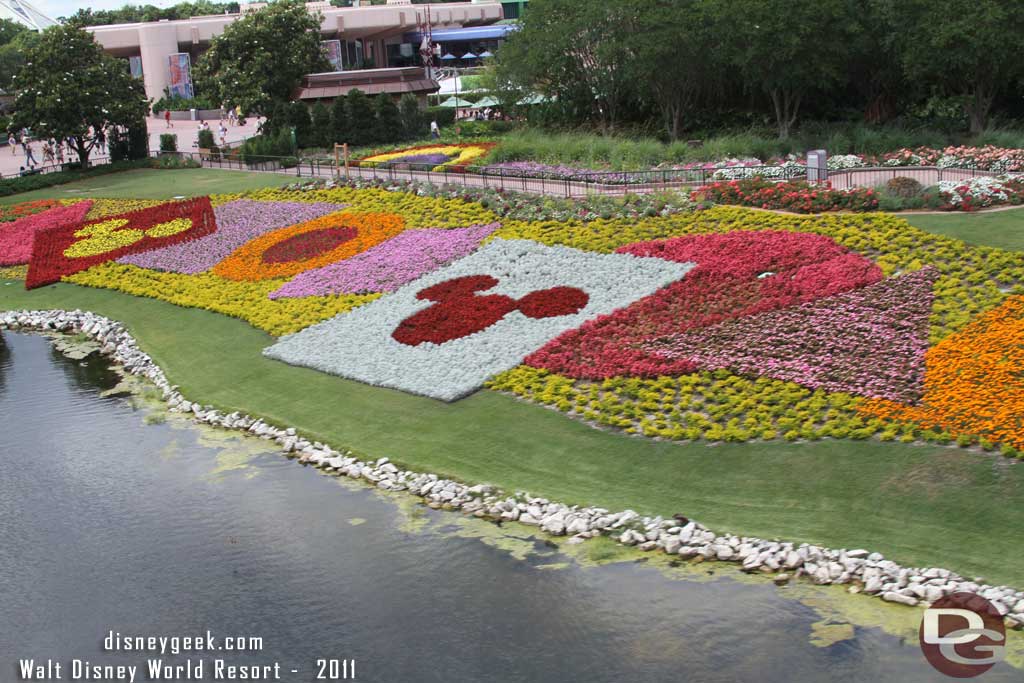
[52, 151]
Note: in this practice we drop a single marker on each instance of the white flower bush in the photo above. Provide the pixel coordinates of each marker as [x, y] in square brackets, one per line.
[981, 190]
[840, 162]
[786, 169]
[359, 345]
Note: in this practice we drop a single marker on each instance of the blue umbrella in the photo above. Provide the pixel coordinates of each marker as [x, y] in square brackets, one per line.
[486, 54]
[469, 55]
[449, 55]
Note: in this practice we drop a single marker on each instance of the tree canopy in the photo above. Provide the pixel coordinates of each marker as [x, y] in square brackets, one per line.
[137, 13]
[694, 64]
[15, 40]
[69, 87]
[262, 57]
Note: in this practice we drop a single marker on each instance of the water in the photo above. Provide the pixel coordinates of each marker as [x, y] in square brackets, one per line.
[110, 523]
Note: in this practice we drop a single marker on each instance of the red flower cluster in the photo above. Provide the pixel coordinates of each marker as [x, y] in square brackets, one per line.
[17, 236]
[796, 196]
[737, 274]
[306, 245]
[74, 247]
[460, 311]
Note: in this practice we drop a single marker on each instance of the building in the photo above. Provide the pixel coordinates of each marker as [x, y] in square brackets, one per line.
[25, 14]
[374, 38]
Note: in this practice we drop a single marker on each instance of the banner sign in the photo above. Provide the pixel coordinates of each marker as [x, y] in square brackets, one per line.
[180, 82]
[135, 66]
[332, 49]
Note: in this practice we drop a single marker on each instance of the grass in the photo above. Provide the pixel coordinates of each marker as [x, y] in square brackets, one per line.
[919, 505]
[1003, 229]
[156, 184]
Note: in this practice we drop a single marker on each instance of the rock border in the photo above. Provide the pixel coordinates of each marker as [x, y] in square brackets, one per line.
[864, 571]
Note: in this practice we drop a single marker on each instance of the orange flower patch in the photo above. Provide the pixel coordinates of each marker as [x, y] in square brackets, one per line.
[298, 248]
[974, 381]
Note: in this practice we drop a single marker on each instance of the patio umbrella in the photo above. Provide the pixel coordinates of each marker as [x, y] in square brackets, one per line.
[486, 54]
[448, 55]
[487, 102]
[533, 99]
[455, 102]
[469, 55]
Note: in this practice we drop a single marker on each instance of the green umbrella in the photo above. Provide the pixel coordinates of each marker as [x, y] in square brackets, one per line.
[533, 99]
[487, 102]
[455, 102]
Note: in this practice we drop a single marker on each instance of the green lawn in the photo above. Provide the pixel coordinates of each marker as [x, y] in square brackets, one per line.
[1003, 229]
[917, 504]
[152, 183]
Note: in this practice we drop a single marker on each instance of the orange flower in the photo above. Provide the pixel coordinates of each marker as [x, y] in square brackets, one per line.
[974, 381]
[313, 244]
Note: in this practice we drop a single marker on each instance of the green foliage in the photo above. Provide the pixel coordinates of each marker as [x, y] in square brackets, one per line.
[168, 142]
[963, 47]
[204, 139]
[175, 103]
[15, 41]
[339, 120]
[359, 113]
[262, 57]
[412, 117]
[69, 87]
[298, 118]
[445, 116]
[267, 147]
[130, 14]
[322, 135]
[388, 121]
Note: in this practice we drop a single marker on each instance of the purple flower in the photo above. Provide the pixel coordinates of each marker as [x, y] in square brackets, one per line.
[389, 265]
[237, 223]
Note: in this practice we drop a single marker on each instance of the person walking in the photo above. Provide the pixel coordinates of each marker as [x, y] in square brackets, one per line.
[30, 159]
[167, 118]
[435, 130]
[47, 153]
[232, 117]
[12, 142]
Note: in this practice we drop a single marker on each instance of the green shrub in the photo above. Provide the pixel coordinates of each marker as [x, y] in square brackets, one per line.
[168, 142]
[901, 186]
[205, 139]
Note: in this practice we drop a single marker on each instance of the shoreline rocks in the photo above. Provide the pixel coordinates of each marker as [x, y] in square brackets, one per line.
[864, 571]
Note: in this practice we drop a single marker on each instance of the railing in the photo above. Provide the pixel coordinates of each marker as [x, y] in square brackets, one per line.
[872, 176]
[57, 168]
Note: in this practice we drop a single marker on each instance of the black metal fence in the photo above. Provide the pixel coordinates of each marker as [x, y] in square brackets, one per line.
[873, 176]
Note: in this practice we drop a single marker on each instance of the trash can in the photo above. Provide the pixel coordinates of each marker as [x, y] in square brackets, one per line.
[192, 112]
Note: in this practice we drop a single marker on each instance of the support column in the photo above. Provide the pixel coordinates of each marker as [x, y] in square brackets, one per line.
[157, 40]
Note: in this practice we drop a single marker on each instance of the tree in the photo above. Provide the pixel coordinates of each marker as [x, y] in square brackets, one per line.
[298, 118]
[675, 56]
[15, 41]
[322, 133]
[411, 116]
[388, 123]
[339, 120]
[262, 57]
[575, 52]
[360, 118]
[138, 13]
[963, 47]
[70, 88]
[785, 52]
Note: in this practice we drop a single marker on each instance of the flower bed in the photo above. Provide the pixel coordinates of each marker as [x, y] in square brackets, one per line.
[795, 196]
[16, 237]
[71, 248]
[389, 265]
[981, 192]
[724, 324]
[431, 157]
[15, 211]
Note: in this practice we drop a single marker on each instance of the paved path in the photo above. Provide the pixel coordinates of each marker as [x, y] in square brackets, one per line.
[187, 132]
